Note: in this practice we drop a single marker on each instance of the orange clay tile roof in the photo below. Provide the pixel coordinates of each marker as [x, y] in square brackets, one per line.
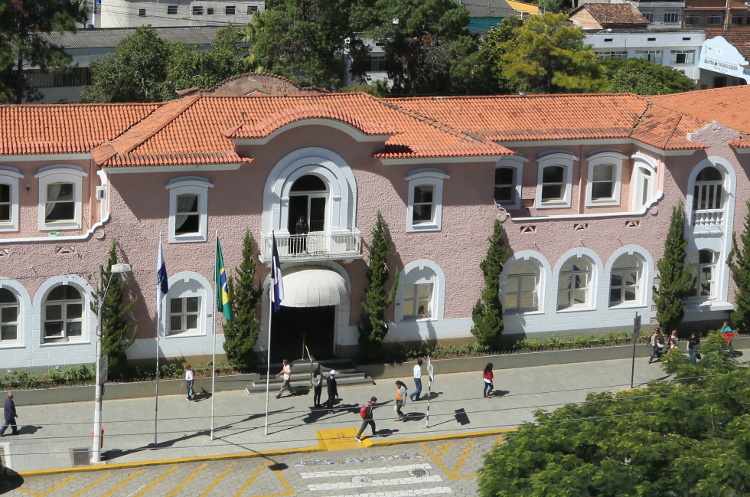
[64, 129]
[195, 130]
[515, 118]
[613, 13]
[725, 105]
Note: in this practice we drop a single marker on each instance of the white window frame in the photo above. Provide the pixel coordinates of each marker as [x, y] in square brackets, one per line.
[189, 185]
[60, 174]
[18, 322]
[689, 56]
[435, 179]
[672, 17]
[182, 286]
[421, 272]
[515, 163]
[587, 288]
[697, 268]
[521, 277]
[415, 314]
[654, 56]
[566, 161]
[63, 338]
[637, 288]
[184, 314]
[10, 176]
[614, 159]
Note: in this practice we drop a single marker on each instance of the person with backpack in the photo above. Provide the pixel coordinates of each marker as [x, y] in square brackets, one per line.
[366, 413]
[317, 384]
[189, 378]
[333, 392]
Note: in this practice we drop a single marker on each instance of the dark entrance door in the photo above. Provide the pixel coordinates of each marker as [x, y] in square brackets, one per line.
[293, 325]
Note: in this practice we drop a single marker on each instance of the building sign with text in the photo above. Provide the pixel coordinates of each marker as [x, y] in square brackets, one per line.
[718, 55]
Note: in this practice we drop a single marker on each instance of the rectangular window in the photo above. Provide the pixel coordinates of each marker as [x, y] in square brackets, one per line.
[521, 292]
[648, 14]
[682, 56]
[649, 55]
[8, 322]
[692, 20]
[423, 204]
[417, 301]
[183, 315]
[377, 63]
[612, 54]
[60, 205]
[187, 215]
[505, 185]
[171, 9]
[230, 10]
[672, 16]
[5, 203]
[210, 11]
[141, 12]
[737, 18]
[252, 9]
[624, 285]
[553, 184]
[573, 289]
[603, 182]
[714, 19]
[197, 10]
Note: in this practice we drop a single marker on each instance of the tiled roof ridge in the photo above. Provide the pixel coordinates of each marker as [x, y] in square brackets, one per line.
[512, 96]
[680, 117]
[182, 105]
[243, 75]
[83, 104]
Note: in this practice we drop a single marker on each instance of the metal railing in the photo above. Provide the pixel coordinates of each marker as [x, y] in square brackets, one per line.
[316, 245]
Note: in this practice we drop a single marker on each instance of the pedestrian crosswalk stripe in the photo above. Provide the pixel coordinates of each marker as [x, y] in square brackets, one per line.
[409, 492]
[364, 471]
[373, 483]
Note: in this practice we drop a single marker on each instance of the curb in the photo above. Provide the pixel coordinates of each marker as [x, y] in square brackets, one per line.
[247, 455]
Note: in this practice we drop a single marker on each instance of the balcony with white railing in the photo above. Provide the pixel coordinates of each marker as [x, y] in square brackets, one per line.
[707, 218]
[313, 246]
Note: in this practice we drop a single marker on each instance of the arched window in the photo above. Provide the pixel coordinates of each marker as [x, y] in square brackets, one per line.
[625, 280]
[574, 284]
[421, 291]
[703, 266]
[708, 191]
[522, 287]
[187, 305]
[8, 316]
[63, 314]
[307, 199]
[188, 209]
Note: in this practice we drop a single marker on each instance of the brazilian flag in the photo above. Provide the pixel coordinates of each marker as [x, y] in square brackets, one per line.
[222, 290]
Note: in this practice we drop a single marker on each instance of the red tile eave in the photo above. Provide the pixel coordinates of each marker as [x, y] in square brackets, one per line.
[167, 161]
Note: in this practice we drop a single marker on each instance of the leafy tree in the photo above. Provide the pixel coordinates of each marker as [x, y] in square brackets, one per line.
[23, 24]
[372, 325]
[488, 312]
[241, 335]
[115, 325]
[642, 77]
[547, 55]
[147, 68]
[675, 282]
[686, 438]
[739, 264]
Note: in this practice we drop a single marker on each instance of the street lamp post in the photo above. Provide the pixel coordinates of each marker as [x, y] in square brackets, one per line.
[101, 363]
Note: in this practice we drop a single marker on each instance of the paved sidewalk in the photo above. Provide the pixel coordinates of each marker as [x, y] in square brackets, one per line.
[50, 432]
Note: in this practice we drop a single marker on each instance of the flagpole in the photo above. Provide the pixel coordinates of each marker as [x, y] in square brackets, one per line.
[158, 332]
[277, 288]
[213, 358]
[268, 359]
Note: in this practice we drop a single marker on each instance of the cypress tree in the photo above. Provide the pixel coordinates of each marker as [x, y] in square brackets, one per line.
[115, 325]
[372, 325]
[488, 311]
[739, 264]
[675, 282]
[241, 335]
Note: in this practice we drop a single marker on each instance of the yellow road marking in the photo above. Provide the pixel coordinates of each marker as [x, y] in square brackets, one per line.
[461, 460]
[451, 473]
[187, 480]
[66, 480]
[122, 483]
[285, 483]
[252, 478]
[216, 481]
[156, 482]
[91, 485]
[338, 439]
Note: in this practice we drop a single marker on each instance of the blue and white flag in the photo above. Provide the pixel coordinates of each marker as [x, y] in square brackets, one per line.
[278, 285]
[162, 283]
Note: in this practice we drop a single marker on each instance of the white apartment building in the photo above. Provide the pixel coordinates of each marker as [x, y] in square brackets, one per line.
[171, 13]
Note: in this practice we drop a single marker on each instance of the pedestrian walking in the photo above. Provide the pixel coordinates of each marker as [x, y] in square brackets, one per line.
[9, 409]
[672, 344]
[400, 399]
[366, 412]
[656, 342]
[417, 381]
[286, 370]
[317, 384]
[489, 380]
[189, 379]
[332, 389]
[694, 347]
[728, 334]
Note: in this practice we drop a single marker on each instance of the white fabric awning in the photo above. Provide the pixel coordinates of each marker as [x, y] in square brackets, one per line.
[313, 286]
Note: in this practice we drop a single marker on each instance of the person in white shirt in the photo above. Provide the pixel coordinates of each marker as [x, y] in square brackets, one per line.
[417, 381]
[286, 370]
[189, 378]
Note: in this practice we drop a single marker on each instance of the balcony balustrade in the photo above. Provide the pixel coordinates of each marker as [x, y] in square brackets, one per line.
[313, 246]
[708, 217]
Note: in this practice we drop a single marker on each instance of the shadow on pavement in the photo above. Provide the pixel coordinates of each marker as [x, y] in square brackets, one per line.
[10, 481]
[28, 429]
[414, 416]
[499, 393]
[386, 432]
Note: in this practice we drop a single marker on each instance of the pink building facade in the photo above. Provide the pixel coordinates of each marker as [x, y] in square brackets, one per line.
[584, 187]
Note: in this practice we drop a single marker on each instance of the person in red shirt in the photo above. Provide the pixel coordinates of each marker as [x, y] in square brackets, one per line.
[728, 334]
[489, 378]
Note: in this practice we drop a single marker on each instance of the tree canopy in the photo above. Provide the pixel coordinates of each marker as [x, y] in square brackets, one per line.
[147, 68]
[23, 24]
[684, 438]
[642, 77]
